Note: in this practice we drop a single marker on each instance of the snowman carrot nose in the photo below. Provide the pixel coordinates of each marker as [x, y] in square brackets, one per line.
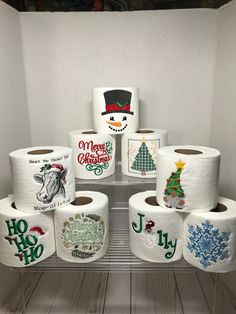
[118, 124]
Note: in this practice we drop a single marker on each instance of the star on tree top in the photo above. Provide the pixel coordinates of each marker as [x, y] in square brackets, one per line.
[180, 164]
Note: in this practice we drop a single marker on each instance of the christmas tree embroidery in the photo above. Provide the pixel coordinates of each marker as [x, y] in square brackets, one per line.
[143, 161]
[174, 194]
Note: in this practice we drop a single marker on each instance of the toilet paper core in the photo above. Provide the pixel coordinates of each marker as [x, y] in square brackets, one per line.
[13, 205]
[82, 200]
[145, 131]
[89, 132]
[151, 200]
[188, 151]
[219, 208]
[40, 152]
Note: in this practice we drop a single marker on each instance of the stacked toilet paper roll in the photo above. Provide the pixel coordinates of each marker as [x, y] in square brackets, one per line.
[82, 228]
[187, 177]
[115, 109]
[94, 154]
[210, 237]
[156, 234]
[42, 177]
[25, 238]
[139, 152]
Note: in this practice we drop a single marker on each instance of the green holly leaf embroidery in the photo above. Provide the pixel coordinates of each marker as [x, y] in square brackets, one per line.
[109, 148]
[118, 104]
[45, 167]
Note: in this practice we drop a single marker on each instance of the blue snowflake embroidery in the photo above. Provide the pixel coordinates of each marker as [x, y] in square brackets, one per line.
[208, 243]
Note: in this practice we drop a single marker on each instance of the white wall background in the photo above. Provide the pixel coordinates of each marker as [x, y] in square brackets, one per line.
[169, 55]
[224, 116]
[14, 124]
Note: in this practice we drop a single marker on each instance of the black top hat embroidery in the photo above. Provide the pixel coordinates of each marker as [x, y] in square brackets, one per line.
[117, 100]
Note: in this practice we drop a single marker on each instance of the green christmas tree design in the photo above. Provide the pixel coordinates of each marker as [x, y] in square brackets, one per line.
[174, 193]
[143, 161]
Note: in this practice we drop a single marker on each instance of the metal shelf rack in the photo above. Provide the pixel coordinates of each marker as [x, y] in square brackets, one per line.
[118, 258]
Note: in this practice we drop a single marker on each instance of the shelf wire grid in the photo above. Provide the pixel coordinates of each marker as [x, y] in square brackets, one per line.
[118, 257]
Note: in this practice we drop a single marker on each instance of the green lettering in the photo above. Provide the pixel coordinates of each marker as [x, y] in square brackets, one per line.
[38, 251]
[29, 256]
[14, 227]
[20, 243]
[168, 255]
[134, 225]
[31, 240]
[160, 242]
[22, 226]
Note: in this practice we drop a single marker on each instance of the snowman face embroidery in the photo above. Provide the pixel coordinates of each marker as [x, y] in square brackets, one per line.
[117, 112]
[117, 122]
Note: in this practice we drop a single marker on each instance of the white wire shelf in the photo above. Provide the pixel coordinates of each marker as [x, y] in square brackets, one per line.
[117, 259]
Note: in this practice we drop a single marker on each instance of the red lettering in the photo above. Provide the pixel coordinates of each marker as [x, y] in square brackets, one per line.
[94, 153]
[91, 146]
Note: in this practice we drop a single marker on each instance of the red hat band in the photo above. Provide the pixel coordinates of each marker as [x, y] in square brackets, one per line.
[115, 107]
[110, 108]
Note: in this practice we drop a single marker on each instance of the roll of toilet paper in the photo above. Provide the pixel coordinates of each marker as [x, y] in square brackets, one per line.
[94, 154]
[82, 228]
[139, 152]
[155, 233]
[43, 178]
[187, 177]
[25, 238]
[115, 109]
[210, 237]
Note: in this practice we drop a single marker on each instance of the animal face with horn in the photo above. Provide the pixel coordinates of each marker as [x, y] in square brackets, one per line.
[53, 179]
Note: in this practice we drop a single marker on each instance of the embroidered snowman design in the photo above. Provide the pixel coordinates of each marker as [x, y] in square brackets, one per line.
[117, 109]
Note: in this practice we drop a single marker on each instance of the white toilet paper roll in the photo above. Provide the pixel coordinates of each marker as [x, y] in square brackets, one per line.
[82, 228]
[139, 152]
[94, 154]
[115, 109]
[187, 177]
[25, 238]
[155, 233]
[210, 237]
[42, 177]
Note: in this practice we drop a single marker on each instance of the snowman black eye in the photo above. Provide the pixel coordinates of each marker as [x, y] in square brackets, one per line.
[112, 118]
[124, 118]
